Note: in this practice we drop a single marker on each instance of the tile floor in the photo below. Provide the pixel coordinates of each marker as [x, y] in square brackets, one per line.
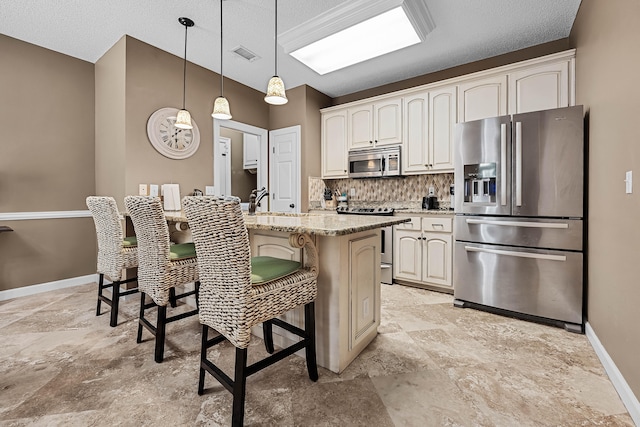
[431, 365]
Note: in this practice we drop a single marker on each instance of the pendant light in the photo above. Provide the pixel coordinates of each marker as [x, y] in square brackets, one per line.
[221, 109]
[275, 90]
[183, 120]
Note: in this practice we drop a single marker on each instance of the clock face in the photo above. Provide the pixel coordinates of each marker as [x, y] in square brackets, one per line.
[170, 141]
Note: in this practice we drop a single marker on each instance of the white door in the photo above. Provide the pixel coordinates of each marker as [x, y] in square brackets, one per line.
[224, 188]
[284, 169]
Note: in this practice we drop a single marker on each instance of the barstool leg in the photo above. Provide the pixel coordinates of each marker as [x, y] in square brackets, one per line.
[115, 299]
[239, 387]
[310, 348]
[141, 317]
[100, 284]
[267, 332]
[203, 357]
[172, 297]
[160, 332]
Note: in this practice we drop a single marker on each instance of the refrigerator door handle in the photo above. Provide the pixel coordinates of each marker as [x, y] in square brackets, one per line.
[503, 164]
[519, 223]
[517, 254]
[518, 164]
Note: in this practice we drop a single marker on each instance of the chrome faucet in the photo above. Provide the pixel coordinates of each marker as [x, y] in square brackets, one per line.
[254, 199]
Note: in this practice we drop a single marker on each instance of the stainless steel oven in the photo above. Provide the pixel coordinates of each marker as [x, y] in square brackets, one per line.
[376, 163]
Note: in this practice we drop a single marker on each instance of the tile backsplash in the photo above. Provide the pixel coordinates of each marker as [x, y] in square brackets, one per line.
[410, 188]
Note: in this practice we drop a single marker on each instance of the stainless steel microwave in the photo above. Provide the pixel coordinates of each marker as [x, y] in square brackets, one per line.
[376, 163]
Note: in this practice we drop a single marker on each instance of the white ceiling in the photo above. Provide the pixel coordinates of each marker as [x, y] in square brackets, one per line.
[466, 31]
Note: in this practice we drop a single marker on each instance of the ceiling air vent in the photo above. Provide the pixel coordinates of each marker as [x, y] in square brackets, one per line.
[245, 53]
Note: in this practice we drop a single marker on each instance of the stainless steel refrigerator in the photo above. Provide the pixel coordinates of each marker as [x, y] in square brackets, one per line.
[518, 230]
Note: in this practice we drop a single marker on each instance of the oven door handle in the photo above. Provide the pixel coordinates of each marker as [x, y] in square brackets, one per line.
[516, 254]
[528, 224]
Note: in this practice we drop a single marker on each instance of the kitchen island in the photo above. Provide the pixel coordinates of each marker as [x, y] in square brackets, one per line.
[348, 303]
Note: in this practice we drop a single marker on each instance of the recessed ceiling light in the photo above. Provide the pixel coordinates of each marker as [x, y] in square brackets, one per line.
[357, 31]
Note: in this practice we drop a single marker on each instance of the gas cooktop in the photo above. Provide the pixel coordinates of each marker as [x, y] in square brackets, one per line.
[364, 211]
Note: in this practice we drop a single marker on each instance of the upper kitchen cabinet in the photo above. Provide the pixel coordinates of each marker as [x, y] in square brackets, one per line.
[482, 98]
[540, 87]
[374, 125]
[429, 120]
[334, 144]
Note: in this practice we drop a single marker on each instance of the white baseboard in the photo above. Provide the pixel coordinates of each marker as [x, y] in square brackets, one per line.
[629, 400]
[49, 286]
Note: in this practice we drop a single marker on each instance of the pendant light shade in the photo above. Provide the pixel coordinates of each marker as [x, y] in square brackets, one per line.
[221, 110]
[275, 92]
[183, 120]
[275, 89]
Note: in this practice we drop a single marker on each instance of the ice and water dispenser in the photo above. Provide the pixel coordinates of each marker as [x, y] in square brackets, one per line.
[480, 183]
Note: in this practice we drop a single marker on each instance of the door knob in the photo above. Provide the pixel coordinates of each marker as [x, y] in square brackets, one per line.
[292, 206]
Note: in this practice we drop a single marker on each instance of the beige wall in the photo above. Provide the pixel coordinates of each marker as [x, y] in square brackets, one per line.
[607, 68]
[46, 163]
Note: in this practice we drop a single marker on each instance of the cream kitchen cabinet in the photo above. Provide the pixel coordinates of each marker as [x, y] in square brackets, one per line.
[540, 87]
[334, 145]
[482, 98]
[423, 252]
[374, 125]
[429, 120]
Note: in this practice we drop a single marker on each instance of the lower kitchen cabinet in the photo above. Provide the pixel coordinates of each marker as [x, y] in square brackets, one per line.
[423, 252]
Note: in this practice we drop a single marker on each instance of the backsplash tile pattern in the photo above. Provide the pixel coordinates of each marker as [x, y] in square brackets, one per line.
[411, 188]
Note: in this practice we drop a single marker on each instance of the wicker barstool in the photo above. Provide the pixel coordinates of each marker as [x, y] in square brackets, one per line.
[161, 266]
[238, 292]
[115, 252]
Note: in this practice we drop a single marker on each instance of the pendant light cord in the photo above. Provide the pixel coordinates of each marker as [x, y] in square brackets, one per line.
[184, 70]
[275, 45]
[221, 54]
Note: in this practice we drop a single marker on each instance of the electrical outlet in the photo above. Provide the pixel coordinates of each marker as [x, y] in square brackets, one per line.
[209, 190]
[629, 182]
[353, 192]
[142, 190]
[153, 190]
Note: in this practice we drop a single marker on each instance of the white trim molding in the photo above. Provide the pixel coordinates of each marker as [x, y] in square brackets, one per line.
[49, 286]
[629, 399]
[18, 216]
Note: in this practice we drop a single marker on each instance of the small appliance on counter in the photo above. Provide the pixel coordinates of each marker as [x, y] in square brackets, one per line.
[430, 202]
[452, 201]
[342, 201]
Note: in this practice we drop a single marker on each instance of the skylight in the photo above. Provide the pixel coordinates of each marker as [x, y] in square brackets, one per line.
[357, 31]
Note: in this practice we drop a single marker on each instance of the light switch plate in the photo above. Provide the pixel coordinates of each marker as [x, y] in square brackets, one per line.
[153, 190]
[209, 190]
[142, 190]
[629, 182]
[353, 192]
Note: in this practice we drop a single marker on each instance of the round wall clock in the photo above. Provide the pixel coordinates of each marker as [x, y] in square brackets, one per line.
[170, 141]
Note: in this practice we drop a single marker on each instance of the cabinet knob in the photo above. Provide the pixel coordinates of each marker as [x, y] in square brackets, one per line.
[370, 142]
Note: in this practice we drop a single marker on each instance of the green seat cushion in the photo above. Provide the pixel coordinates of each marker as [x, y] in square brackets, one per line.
[182, 251]
[130, 241]
[265, 268]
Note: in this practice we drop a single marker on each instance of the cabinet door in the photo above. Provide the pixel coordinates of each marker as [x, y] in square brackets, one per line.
[387, 119]
[415, 153]
[442, 114]
[539, 88]
[275, 245]
[480, 99]
[364, 286]
[361, 127]
[407, 254]
[334, 145]
[250, 151]
[437, 255]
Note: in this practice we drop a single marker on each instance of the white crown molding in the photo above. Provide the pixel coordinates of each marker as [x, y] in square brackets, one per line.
[629, 399]
[45, 287]
[351, 13]
[19, 216]
[568, 55]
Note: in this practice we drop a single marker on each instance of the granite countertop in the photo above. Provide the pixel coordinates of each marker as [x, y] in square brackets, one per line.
[323, 225]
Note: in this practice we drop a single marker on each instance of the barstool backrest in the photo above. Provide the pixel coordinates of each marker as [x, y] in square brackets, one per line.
[109, 235]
